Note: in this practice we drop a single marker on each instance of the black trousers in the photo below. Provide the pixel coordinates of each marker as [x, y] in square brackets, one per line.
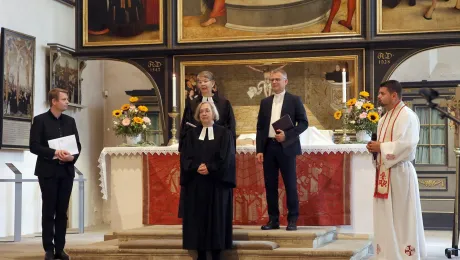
[56, 193]
[274, 161]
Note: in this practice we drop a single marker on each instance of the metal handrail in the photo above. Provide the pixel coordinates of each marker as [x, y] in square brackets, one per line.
[18, 180]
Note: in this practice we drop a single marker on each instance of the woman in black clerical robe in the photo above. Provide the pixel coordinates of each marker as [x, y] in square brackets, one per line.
[207, 178]
[206, 83]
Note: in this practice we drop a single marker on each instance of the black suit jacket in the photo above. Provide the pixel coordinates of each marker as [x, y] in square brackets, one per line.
[292, 105]
[46, 127]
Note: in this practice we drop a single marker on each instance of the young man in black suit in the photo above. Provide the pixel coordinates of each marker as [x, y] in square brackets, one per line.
[277, 149]
[55, 171]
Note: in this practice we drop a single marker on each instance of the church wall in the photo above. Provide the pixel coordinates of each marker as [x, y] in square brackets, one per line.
[52, 22]
[118, 78]
[440, 64]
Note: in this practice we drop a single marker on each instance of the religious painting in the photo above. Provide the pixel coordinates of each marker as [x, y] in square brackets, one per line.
[191, 90]
[122, 22]
[244, 79]
[416, 16]
[67, 2]
[65, 72]
[242, 20]
[17, 77]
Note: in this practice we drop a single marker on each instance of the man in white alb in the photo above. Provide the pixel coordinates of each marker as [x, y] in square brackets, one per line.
[398, 224]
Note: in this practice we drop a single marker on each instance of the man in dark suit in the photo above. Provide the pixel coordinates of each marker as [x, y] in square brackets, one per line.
[55, 171]
[277, 149]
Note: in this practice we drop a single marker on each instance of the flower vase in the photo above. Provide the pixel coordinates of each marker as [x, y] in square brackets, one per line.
[133, 140]
[363, 136]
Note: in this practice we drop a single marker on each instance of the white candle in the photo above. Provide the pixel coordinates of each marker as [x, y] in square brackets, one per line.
[344, 86]
[174, 89]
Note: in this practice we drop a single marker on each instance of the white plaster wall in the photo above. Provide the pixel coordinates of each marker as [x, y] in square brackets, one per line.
[118, 78]
[440, 64]
[50, 21]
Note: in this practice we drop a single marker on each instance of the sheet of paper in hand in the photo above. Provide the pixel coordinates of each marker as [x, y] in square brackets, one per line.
[67, 143]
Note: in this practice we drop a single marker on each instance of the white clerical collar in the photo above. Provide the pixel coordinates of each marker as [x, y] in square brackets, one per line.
[210, 133]
[207, 99]
[280, 96]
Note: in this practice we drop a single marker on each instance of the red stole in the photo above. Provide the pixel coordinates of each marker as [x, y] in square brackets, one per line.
[383, 174]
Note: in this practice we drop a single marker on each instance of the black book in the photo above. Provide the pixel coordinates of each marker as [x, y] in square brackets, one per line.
[285, 124]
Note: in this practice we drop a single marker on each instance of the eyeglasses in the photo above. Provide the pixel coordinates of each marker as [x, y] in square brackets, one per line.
[277, 79]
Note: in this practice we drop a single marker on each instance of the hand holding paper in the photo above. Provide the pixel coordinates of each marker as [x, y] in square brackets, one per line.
[65, 146]
[61, 154]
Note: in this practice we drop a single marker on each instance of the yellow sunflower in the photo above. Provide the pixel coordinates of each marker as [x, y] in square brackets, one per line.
[364, 94]
[125, 107]
[338, 114]
[351, 102]
[373, 117]
[133, 99]
[138, 120]
[116, 113]
[368, 106]
[143, 108]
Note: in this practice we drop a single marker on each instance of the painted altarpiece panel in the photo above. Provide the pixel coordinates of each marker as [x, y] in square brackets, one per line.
[243, 79]
[241, 20]
[122, 22]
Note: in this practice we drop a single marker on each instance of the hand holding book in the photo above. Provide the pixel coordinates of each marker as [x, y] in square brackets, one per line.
[281, 126]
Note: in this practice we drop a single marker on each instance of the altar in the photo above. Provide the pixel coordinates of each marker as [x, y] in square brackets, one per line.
[335, 186]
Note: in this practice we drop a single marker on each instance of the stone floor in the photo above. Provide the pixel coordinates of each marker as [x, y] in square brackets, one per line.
[437, 241]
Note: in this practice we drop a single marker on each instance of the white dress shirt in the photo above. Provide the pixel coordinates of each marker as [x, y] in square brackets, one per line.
[210, 133]
[276, 112]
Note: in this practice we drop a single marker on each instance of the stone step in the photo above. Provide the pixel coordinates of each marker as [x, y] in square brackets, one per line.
[177, 244]
[304, 237]
[337, 250]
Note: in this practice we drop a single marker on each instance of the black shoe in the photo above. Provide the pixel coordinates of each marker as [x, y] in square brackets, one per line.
[62, 255]
[49, 255]
[292, 225]
[272, 224]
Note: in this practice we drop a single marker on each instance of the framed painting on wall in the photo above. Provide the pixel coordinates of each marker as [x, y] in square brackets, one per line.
[417, 16]
[122, 22]
[241, 20]
[243, 79]
[17, 94]
[65, 72]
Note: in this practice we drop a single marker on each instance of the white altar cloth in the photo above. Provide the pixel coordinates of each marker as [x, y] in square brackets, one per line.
[362, 174]
[335, 148]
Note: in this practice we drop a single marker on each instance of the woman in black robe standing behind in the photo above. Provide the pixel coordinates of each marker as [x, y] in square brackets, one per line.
[207, 178]
[205, 83]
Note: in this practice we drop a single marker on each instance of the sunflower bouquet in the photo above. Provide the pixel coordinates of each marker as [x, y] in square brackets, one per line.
[130, 120]
[361, 114]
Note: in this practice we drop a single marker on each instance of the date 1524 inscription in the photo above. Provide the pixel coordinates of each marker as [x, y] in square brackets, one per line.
[384, 58]
[155, 66]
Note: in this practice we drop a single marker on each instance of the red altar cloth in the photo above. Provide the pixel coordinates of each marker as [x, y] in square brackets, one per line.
[323, 186]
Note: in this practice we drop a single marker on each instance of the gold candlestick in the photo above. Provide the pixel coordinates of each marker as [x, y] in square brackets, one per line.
[173, 115]
[344, 138]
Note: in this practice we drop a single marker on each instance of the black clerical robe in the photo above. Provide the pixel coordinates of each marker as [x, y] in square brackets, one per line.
[226, 116]
[208, 199]
[226, 119]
